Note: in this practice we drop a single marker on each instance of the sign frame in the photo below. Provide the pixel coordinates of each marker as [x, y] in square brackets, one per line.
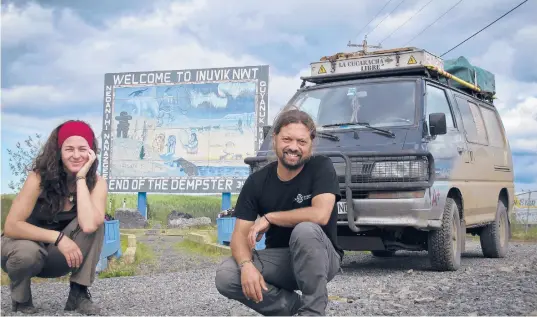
[179, 184]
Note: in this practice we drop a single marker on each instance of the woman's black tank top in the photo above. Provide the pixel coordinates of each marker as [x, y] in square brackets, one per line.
[45, 220]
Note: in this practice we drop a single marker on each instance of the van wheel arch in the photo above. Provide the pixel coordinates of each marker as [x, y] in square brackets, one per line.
[456, 195]
[504, 197]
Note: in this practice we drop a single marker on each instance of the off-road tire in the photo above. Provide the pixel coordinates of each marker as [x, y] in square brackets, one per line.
[441, 242]
[493, 244]
[383, 253]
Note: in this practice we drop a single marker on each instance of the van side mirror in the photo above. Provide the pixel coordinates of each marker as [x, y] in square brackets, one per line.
[437, 123]
[266, 130]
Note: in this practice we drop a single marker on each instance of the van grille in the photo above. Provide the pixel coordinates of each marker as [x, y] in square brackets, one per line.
[385, 169]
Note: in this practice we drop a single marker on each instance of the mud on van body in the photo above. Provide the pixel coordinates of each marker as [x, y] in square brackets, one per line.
[425, 164]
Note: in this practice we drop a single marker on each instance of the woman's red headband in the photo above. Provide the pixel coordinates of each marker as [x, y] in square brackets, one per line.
[75, 128]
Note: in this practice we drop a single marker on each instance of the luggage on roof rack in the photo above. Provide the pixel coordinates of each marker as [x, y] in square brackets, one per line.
[480, 77]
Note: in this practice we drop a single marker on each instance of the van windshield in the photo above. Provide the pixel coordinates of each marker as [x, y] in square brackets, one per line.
[379, 104]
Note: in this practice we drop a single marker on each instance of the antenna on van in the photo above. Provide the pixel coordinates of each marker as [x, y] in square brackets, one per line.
[364, 46]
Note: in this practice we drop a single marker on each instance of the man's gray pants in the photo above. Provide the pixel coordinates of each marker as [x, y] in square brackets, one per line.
[307, 265]
[24, 259]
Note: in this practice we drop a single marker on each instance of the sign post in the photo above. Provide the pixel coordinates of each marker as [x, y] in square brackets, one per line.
[226, 201]
[142, 203]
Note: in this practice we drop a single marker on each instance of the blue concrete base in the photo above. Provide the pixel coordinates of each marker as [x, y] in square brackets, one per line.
[225, 226]
[111, 244]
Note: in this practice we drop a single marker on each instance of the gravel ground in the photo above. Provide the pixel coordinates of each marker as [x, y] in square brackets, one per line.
[169, 258]
[368, 286]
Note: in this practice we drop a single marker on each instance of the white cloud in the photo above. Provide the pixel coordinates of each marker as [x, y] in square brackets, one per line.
[23, 125]
[519, 121]
[25, 24]
[50, 96]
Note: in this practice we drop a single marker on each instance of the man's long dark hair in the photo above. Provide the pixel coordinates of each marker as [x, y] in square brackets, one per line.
[54, 183]
[292, 114]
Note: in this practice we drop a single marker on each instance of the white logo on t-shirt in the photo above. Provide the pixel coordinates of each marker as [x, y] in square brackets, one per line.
[300, 198]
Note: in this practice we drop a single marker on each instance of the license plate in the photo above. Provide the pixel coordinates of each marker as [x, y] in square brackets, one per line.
[342, 207]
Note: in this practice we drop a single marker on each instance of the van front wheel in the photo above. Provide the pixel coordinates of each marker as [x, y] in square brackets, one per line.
[444, 245]
[494, 237]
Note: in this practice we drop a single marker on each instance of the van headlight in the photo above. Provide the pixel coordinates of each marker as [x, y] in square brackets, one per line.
[415, 170]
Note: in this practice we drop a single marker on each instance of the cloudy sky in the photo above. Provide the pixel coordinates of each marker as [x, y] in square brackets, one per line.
[55, 52]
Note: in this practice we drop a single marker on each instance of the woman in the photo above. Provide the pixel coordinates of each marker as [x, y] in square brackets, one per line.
[55, 224]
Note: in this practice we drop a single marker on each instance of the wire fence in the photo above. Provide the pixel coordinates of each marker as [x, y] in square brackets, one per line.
[525, 209]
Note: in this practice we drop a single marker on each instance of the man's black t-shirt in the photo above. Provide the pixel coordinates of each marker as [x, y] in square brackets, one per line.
[263, 192]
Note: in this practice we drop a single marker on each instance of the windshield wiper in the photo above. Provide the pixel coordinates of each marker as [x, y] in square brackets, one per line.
[364, 124]
[328, 136]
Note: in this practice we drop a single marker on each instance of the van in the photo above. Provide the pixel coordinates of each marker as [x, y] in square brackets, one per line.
[421, 155]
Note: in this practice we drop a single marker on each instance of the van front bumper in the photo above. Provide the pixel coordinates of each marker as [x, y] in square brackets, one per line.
[392, 212]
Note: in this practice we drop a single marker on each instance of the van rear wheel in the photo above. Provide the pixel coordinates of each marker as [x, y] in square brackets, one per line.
[444, 244]
[494, 237]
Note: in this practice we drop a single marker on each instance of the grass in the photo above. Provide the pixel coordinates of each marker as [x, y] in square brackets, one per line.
[199, 249]
[118, 268]
[520, 233]
[124, 240]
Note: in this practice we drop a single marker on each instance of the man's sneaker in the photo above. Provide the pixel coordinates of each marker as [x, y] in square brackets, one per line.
[79, 300]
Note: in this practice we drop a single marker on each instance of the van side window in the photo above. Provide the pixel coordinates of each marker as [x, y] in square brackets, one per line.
[473, 123]
[437, 102]
[495, 131]
[479, 123]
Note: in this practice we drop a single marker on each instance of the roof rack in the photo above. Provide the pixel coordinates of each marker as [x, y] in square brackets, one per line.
[405, 61]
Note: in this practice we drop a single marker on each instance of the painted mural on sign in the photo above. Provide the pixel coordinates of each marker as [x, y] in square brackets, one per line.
[190, 127]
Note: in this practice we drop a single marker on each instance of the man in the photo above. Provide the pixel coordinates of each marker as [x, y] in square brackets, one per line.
[295, 199]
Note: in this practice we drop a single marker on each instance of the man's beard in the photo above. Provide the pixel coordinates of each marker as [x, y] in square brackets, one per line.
[301, 160]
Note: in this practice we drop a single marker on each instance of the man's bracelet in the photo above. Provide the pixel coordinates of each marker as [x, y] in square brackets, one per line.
[267, 219]
[244, 262]
[60, 236]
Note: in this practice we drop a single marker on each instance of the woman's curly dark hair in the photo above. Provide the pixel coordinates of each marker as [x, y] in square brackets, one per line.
[49, 166]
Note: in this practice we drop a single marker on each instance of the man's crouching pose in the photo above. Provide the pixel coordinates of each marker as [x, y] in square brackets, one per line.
[295, 199]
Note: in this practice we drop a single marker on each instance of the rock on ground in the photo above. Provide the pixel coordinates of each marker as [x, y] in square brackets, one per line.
[403, 285]
[182, 223]
[130, 219]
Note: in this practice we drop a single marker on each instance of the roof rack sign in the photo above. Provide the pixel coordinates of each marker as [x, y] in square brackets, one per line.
[379, 60]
